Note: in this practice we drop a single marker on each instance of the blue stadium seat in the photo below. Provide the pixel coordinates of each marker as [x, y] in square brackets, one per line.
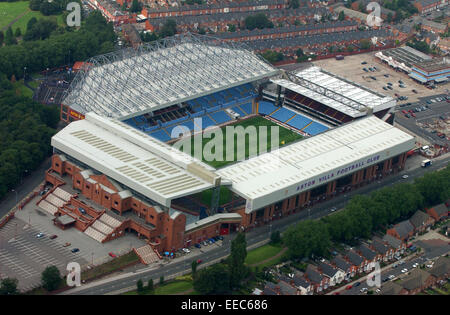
[160, 135]
[299, 121]
[247, 108]
[315, 128]
[206, 122]
[266, 108]
[282, 114]
[220, 117]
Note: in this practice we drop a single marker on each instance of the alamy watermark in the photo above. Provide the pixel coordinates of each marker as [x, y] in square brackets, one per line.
[74, 275]
[374, 278]
[74, 17]
[374, 17]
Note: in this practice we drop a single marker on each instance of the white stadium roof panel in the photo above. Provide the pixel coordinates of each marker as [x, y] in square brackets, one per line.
[130, 82]
[132, 158]
[336, 92]
[274, 176]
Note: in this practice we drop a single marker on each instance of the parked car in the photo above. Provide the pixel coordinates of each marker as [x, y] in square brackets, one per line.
[205, 243]
[75, 250]
[197, 245]
[333, 209]
[112, 254]
[40, 235]
[391, 277]
[357, 284]
[199, 261]
[187, 251]
[348, 287]
[67, 244]
[405, 176]
[53, 236]
[404, 270]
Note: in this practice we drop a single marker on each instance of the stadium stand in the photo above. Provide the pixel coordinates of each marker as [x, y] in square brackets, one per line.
[291, 118]
[209, 108]
[315, 128]
[48, 207]
[283, 114]
[147, 254]
[62, 194]
[299, 122]
[95, 234]
[266, 108]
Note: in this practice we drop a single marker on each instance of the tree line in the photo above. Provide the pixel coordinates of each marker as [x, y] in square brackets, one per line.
[94, 37]
[25, 131]
[366, 214]
[224, 277]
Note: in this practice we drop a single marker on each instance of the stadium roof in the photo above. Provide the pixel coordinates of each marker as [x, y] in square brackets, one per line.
[336, 92]
[277, 175]
[405, 55]
[134, 159]
[132, 82]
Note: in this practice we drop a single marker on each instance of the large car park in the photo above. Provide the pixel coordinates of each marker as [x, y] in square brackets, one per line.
[382, 78]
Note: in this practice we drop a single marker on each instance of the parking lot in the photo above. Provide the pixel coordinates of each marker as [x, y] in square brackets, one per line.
[24, 256]
[429, 118]
[351, 68]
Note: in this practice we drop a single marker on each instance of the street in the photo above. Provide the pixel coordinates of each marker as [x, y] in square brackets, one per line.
[128, 281]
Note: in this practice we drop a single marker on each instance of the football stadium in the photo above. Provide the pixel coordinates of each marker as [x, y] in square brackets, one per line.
[116, 168]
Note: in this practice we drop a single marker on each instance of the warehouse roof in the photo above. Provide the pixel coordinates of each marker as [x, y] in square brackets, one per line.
[309, 163]
[134, 159]
[132, 82]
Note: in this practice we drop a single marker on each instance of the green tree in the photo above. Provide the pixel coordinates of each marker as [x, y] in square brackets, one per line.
[169, 28]
[231, 28]
[136, 6]
[307, 238]
[236, 264]
[8, 286]
[161, 280]
[275, 237]
[140, 286]
[18, 32]
[259, 21]
[213, 280]
[9, 37]
[2, 38]
[194, 267]
[341, 16]
[150, 286]
[364, 43]
[51, 278]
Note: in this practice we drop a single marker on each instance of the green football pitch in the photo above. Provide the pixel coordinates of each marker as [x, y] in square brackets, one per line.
[253, 145]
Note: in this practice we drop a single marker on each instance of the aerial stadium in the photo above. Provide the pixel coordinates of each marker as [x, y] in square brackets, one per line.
[115, 168]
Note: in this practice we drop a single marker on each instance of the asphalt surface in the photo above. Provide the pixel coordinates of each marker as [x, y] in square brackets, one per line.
[258, 235]
[435, 110]
[29, 182]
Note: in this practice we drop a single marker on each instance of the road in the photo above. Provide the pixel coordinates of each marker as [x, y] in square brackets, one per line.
[258, 235]
[29, 183]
